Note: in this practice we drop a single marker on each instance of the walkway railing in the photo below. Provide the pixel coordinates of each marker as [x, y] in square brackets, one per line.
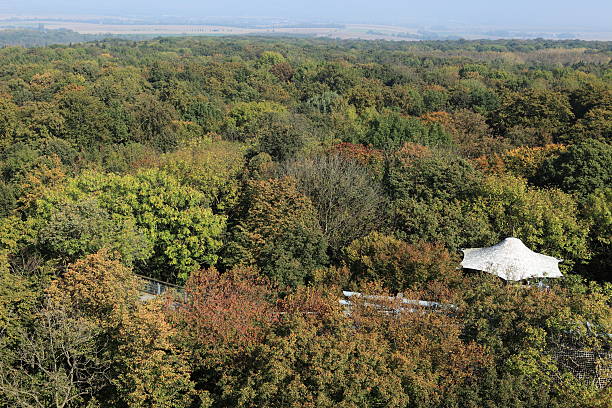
[156, 287]
[393, 305]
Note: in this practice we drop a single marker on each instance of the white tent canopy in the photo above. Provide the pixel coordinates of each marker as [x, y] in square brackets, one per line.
[511, 260]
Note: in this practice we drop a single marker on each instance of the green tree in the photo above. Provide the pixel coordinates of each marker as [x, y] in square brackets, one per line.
[546, 220]
[588, 96]
[596, 124]
[277, 231]
[597, 210]
[19, 293]
[392, 130]
[8, 199]
[185, 234]
[435, 98]
[206, 114]
[520, 327]
[72, 230]
[581, 169]
[85, 117]
[8, 121]
[474, 95]
[367, 94]
[546, 111]
[280, 135]
[268, 58]
[407, 99]
[243, 119]
[339, 77]
[432, 198]
[39, 120]
[214, 169]
[150, 122]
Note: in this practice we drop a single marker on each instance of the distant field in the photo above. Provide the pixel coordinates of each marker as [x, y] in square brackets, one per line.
[352, 31]
[348, 31]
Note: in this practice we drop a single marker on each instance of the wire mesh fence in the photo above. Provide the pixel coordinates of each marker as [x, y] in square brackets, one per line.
[594, 366]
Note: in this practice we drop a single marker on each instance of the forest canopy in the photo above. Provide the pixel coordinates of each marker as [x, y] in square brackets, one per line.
[264, 176]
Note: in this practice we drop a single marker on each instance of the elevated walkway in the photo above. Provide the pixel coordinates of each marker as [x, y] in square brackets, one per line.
[151, 288]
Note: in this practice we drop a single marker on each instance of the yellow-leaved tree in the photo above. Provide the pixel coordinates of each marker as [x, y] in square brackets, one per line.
[141, 364]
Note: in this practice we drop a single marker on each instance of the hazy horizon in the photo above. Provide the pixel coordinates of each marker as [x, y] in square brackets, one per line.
[593, 14]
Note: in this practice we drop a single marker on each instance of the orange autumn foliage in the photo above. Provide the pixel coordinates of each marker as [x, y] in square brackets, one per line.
[522, 161]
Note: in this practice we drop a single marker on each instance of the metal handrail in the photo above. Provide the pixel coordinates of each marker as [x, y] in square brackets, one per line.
[156, 287]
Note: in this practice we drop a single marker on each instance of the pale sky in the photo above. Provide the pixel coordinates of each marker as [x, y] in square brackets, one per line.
[596, 14]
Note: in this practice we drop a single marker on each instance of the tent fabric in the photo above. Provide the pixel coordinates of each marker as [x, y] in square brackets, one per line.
[511, 260]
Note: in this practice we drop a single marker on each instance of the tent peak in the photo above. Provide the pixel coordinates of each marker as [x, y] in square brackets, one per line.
[514, 244]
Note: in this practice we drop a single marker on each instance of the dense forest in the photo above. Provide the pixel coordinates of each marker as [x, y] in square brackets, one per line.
[28, 37]
[265, 176]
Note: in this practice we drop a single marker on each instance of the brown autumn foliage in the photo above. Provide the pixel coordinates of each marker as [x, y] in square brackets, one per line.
[398, 264]
[47, 173]
[412, 151]
[312, 363]
[152, 369]
[472, 135]
[363, 154]
[316, 302]
[431, 357]
[435, 361]
[443, 118]
[283, 71]
[234, 308]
